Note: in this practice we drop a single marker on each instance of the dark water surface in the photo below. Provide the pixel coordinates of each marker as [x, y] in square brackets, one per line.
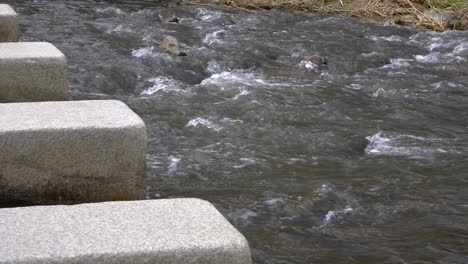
[362, 160]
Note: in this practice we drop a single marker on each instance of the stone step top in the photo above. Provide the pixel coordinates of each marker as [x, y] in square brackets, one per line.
[29, 50]
[6, 10]
[67, 115]
[153, 231]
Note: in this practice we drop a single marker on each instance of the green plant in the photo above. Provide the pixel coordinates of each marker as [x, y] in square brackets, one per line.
[447, 4]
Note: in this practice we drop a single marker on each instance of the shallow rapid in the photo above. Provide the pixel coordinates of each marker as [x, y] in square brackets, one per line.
[360, 160]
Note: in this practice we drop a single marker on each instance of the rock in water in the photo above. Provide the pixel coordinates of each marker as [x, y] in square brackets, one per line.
[316, 59]
[170, 45]
[168, 16]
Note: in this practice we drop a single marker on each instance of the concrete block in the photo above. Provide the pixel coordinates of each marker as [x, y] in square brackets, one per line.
[176, 231]
[8, 24]
[71, 152]
[32, 71]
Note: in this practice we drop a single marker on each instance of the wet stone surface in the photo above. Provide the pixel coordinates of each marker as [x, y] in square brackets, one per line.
[360, 160]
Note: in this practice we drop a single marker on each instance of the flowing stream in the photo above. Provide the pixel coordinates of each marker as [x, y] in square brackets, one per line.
[361, 160]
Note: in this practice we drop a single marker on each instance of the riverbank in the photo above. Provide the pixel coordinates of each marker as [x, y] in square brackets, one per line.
[439, 15]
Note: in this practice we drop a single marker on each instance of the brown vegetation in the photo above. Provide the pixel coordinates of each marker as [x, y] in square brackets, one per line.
[433, 14]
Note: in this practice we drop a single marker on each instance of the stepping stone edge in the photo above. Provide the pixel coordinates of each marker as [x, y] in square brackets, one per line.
[8, 24]
[71, 152]
[172, 231]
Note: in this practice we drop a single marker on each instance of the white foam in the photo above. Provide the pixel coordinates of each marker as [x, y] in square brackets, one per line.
[371, 54]
[214, 38]
[201, 122]
[431, 57]
[436, 43]
[245, 162]
[445, 84]
[241, 80]
[427, 39]
[400, 145]
[460, 48]
[119, 29]
[110, 10]
[439, 41]
[232, 77]
[333, 215]
[323, 189]
[437, 57]
[296, 160]
[143, 52]
[214, 67]
[275, 201]
[390, 39]
[376, 143]
[242, 92]
[207, 14]
[231, 121]
[173, 165]
[308, 65]
[378, 92]
[162, 83]
[397, 63]
[355, 86]
[444, 47]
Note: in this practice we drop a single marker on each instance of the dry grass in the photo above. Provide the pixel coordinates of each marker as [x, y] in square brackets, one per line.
[408, 12]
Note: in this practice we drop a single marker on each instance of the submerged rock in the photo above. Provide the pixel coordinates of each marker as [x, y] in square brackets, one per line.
[170, 45]
[316, 59]
[313, 63]
[168, 16]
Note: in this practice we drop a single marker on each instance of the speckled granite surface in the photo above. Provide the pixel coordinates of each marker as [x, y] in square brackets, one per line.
[71, 152]
[8, 24]
[32, 72]
[178, 231]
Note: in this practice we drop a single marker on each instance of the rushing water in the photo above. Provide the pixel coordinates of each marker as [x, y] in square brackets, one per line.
[362, 160]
